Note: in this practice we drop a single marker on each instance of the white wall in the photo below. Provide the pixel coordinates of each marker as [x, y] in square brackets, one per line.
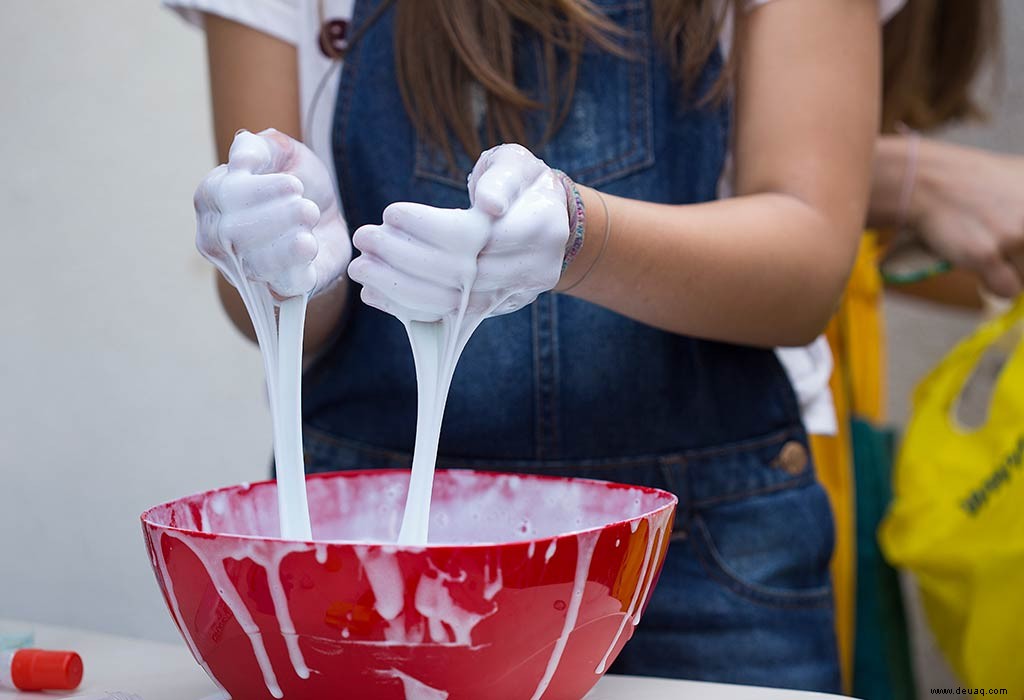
[121, 383]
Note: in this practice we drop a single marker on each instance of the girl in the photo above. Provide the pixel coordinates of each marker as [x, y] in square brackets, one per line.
[653, 365]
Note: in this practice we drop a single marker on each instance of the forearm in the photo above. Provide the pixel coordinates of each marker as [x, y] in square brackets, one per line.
[768, 267]
[765, 269]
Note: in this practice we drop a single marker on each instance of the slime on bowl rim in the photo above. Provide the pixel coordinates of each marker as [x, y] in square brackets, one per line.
[147, 517]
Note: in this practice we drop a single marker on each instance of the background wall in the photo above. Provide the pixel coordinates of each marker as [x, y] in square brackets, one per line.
[121, 383]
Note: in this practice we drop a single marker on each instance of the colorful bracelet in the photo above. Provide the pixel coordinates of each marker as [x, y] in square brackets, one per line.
[577, 218]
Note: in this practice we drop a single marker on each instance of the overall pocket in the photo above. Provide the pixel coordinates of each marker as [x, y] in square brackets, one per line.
[765, 530]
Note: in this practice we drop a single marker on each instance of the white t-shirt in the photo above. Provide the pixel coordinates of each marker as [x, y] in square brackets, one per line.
[298, 22]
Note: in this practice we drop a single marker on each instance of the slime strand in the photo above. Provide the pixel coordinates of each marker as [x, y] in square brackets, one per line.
[280, 344]
[436, 348]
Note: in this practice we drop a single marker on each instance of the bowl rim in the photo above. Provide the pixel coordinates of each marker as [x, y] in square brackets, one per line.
[148, 523]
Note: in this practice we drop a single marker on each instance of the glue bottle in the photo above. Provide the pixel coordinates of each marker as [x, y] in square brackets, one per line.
[35, 669]
[9, 641]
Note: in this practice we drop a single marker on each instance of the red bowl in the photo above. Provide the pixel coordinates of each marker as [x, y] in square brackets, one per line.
[529, 588]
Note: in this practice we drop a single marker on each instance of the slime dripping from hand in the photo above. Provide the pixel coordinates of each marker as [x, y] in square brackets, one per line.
[441, 272]
[256, 217]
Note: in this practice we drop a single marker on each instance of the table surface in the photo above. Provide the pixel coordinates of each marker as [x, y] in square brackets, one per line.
[160, 671]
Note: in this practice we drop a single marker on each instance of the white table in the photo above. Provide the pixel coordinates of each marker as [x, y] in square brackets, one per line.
[157, 671]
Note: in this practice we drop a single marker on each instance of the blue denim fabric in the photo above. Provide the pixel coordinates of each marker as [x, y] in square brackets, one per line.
[567, 387]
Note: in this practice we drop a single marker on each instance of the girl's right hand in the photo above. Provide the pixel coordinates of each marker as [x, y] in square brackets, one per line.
[272, 208]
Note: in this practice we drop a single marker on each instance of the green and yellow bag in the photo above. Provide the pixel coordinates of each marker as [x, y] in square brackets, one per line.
[957, 519]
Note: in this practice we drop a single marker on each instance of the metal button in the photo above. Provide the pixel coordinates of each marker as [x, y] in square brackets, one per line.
[792, 458]
[332, 37]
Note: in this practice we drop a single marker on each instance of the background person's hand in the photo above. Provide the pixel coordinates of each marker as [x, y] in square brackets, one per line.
[273, 207]
[507, 249]
[969, 208]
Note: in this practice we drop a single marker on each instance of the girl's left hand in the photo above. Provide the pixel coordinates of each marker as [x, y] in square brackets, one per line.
[505, 250]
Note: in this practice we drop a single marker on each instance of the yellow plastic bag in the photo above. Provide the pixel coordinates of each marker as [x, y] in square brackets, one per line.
[957, 520]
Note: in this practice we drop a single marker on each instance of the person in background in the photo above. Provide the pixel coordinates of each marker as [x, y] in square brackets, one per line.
[966, 205]
[653, 362]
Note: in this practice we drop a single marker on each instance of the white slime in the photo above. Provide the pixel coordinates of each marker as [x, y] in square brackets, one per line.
[264, 553]
[655, 539]
[436, 348]
[415, 689]
[438, 338]
[441, 272]
[281, 347]
[280, 341]
[585, 544]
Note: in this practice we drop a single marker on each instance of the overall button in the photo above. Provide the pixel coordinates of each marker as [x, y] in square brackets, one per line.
[792, 458]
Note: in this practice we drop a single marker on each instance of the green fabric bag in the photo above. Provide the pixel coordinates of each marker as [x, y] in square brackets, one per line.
[882, 667]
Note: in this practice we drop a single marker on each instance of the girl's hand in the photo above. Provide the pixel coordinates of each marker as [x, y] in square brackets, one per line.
[969, 208]
[505, 250]
[273, 208]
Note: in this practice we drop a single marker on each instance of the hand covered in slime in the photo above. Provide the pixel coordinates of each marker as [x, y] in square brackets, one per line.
[504, 251]
[272, 207]
[442, 271]
[270, 222]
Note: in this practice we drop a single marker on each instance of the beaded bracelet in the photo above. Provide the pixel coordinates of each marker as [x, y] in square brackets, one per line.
[577, 218]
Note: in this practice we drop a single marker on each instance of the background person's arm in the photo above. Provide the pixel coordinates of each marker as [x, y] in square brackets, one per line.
[768, 266]
[254, 85]
[966, 204]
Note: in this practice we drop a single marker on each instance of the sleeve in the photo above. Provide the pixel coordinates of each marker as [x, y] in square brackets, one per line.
[277, 18]
[886, 8]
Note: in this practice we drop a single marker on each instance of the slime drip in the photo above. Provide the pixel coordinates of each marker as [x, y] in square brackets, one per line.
[436, 348]
[266, 555]
[442, 271]
[161, 563]
[414, 689]
[585, 544]
[281, 347]
[282, 359]
[655, 538]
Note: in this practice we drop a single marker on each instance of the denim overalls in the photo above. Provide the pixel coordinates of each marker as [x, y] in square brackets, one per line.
[567, 387]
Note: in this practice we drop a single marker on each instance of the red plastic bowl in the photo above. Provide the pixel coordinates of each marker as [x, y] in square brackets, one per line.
[529, 588]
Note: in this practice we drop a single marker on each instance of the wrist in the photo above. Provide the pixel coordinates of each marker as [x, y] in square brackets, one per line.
[595, 239]
[933, 161]
[577, 218]
[903, 182]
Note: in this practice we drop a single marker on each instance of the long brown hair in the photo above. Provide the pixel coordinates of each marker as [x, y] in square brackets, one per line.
[445, 48]
[933, 52]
